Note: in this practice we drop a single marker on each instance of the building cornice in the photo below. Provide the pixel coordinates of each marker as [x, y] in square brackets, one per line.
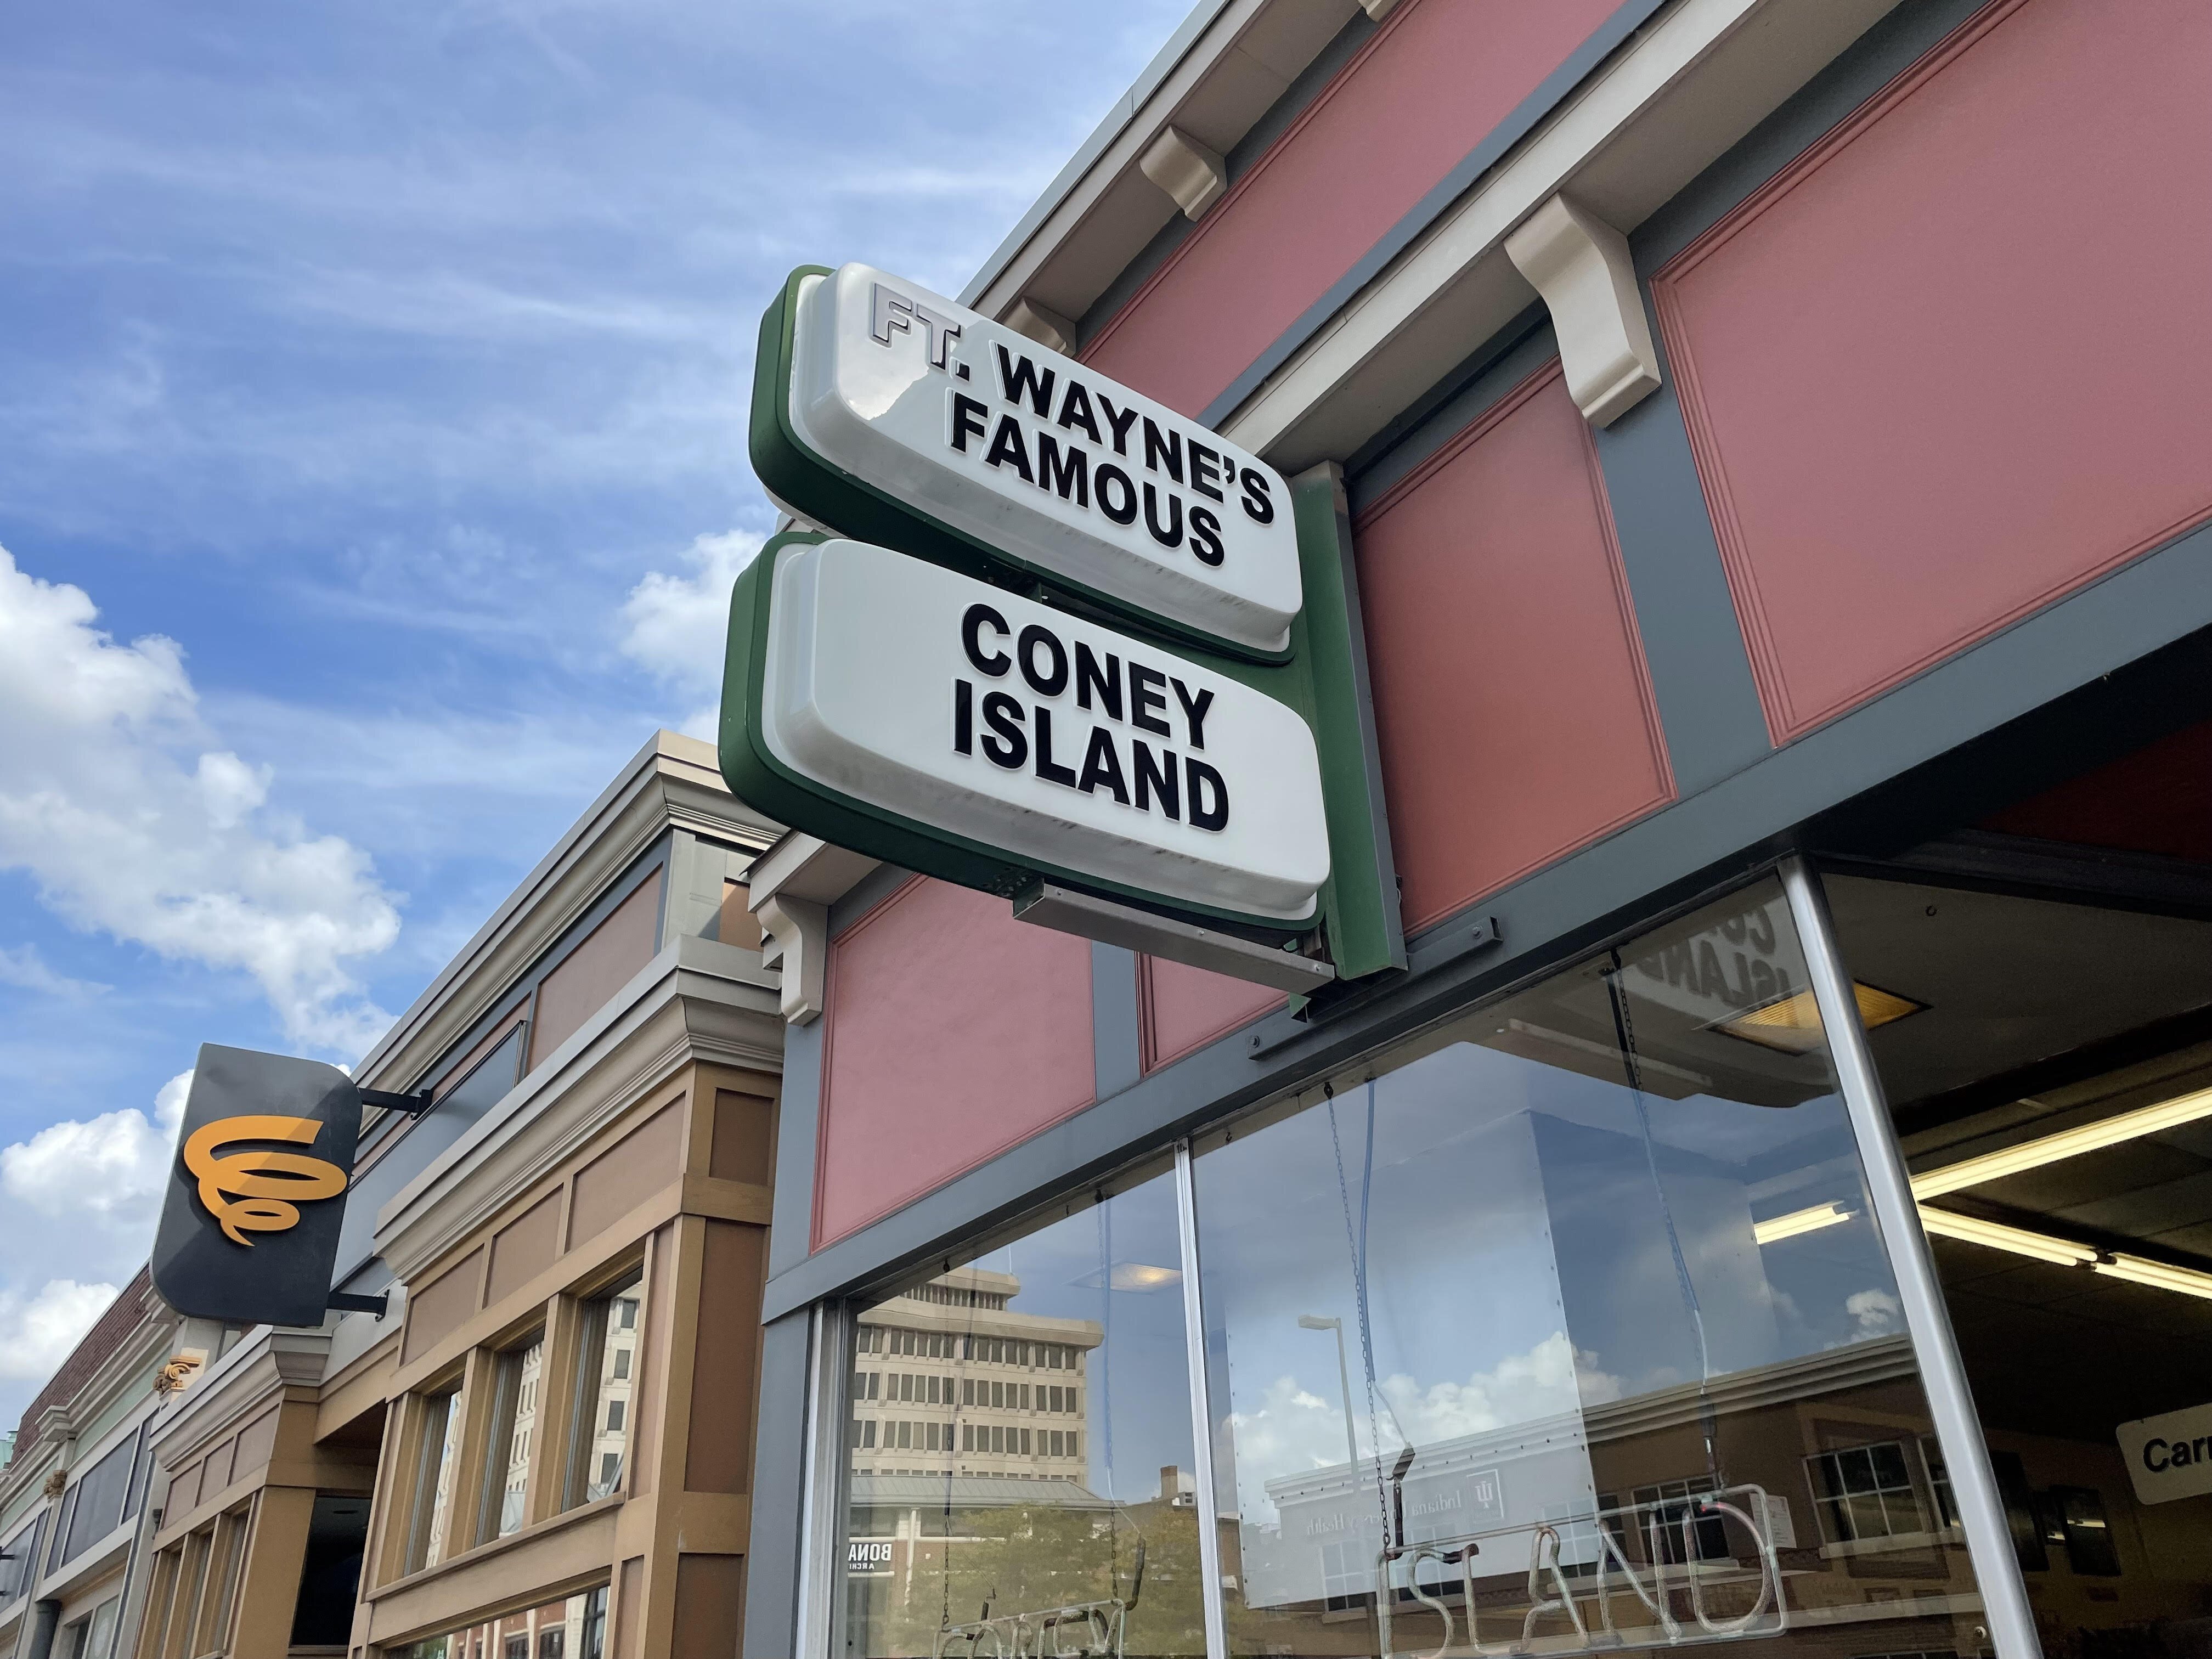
[672, 782]
[265, 1361]
[696, 1000]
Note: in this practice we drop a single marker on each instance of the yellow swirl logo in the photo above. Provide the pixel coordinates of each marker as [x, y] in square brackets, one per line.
[259, 1192]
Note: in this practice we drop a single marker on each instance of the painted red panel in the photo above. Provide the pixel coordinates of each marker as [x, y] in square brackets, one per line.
[953, 1031]
[1186, 1008]
[1950, 366]
[1408, 108]
[1512, 700]
[2157, 800]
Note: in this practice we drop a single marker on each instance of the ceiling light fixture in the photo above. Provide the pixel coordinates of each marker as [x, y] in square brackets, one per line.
[1792, 1025]
[1801, 1221]
[2137, 1271]
[2068, 1143]
[1950, 1224]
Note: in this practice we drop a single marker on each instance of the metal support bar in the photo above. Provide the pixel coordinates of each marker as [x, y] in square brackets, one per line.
[414, 1105]
[1927, 1320]
[353, 1302]
[821, 1522]
[1201, 1427]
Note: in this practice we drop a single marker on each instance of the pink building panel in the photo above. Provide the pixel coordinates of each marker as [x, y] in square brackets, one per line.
[1422, 91]
[1950, 365]
[1512, 700]
[1185, 1008]
[952, 1032]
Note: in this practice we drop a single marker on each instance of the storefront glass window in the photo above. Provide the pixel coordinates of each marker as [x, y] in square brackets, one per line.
[1019, 1449]
[513, 1430]
[2055, 1104]
[601, 1440]
[1563, 1327]
[575, 1627]
[434, 1486]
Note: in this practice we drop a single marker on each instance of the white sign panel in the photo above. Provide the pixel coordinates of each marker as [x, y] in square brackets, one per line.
[1025, 450]
[943, 700]
[2169, 1456]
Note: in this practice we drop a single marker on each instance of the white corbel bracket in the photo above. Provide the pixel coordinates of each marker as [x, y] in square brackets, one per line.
[1581, 265]
[1047, 327]
[790, 890]
[1187, 170]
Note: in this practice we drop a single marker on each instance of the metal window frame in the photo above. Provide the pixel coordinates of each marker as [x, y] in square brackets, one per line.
[2010, 1622]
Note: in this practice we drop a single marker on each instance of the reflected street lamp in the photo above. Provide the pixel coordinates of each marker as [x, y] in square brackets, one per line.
[1319, 1322]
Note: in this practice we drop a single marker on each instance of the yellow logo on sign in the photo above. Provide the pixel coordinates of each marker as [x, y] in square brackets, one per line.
[259, 1192]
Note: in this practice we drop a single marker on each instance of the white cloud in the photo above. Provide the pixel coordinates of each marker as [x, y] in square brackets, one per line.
[23, 968]
[1291, 1429]
[1876, 1313]
[40, 1329]
[677, 627]
[78, 1201]
[115, 800]
[112, 1167]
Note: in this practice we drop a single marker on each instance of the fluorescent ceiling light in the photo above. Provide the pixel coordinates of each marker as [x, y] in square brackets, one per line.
[2069, 1142]
[1800, 1221]
[1792, 1025]
[2136, 1271]
[1950, 1224]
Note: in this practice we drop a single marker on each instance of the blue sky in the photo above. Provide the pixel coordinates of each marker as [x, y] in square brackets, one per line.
[372, 399]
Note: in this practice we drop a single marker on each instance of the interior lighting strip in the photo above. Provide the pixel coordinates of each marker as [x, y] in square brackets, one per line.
[2068, 1143]
[2019, 1240]
[2028, 1155]
[1950, 1224]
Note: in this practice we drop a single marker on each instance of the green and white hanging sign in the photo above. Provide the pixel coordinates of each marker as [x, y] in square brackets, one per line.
[1060, 640]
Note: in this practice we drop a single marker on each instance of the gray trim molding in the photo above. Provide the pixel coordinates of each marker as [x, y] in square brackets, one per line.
[1116, 1041]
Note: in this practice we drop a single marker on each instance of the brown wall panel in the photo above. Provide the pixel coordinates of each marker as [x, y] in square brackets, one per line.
[735, 923]
[525, 1247]
[745, 1138]
[436, 1310]
[256, 1441]
[1949, 367]
[597, 968]
[627, 1173]
[954, 1031]
[710, 1606]
[1512, 703]
[719, 1457]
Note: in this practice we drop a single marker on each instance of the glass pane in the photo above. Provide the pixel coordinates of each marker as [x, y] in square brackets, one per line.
[573, 1627]
[441, 1434]
[514, 1430]
[607, 1355]
[1564, 1327]
[2055, 1102]
[1020, 1450]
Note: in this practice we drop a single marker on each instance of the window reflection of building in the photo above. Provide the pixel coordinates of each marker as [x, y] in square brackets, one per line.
[571, 1628]
[947, 1380]
[609, 1361]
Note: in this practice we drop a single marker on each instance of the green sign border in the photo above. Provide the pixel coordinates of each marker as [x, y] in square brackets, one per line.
[817, 489]
[1323, 681]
